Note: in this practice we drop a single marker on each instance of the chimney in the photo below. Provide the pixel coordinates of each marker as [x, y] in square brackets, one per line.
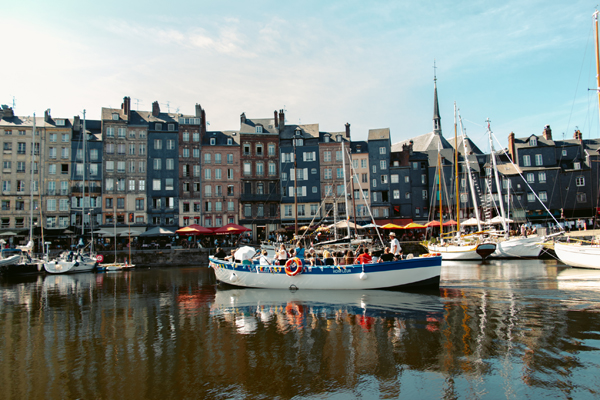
[547, 133]
[203, 122]
[511, 145]
[199, 111]
[275, 117]
[76, 123]
[405, 154]
[47, 116]
[126, 107]
[281, 120]
[578, 135]
[410, 143]
[243, 118]
[347, 130]
[155, 109]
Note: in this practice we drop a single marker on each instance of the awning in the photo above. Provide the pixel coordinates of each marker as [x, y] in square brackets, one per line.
[120, 232]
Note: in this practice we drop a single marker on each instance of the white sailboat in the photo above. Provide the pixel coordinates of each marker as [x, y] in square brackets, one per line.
[70, 261]
[578, 253]
[461, 247]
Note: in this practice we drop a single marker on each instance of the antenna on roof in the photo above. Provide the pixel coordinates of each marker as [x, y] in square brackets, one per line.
[137, 104]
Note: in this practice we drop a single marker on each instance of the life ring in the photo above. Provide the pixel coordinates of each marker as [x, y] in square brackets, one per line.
[99, 258]
[288, 266]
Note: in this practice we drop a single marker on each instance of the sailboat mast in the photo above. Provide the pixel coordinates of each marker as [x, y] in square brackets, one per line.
[345, 190]
[83, 186]
[31, 187]
[440, 191]
[470, 176]
[456, 175]
[294, 177]
[597, 74]
[497, 178]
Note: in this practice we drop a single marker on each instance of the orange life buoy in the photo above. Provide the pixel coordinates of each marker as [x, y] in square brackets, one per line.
[288, 266]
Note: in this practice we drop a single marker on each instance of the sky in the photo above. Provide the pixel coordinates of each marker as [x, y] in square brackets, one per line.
[522, 64]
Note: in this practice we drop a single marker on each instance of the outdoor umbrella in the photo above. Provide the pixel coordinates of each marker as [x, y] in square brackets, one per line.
[451, 222]
[470, 222]
[431, 224]
[158, 231]
[244, 253]
[193, 230]
[391, 226]
[231, 228]
[371, 226]
[414, 225]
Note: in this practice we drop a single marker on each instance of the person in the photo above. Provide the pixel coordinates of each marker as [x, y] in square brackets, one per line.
[282, 255]
[220, 253]
[339, 258]
[395, 248]
[231, 257]
[327, 258]
[358, 251]
[263, 259]
[386, 256]
[364, 258]
[299, 250]
[349, 259]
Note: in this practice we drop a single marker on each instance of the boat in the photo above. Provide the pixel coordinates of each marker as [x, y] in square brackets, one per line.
[411, 272]
[70, 262]
[580, 253]
[461, 247]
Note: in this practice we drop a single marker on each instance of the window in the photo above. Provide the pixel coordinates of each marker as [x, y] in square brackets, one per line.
[121, 149]
[364, 178]
[157, 143]
[259, 149]
[230, 191]
[382, 150]
[131, 185]
[186, 153]
[327, 156]
[396, 194]
[230, 205]
[260, 169]
[526, 161]
[207, 174]
[287, 210]
[424, 194]
[110, 132]
[542, 177]
[309, 156]
[94, 154]
[339, 173]
[539, 160]
[207, 158]
[142, 185]
[110, 166]
[543, 196]
[407, 195]
[142, 166]
[394, 178]
[157, 164]
[580, 181]
[196, 171]
[6, 186]
[186, 136]
[338, 155]
[247, 168]
[170, 144]
[139, 204]
[218, 158]
[247, 210]
[382, 163]
[158, 127]
[142, 151]
[171, 127]
[533, 141]
[373, 169]
[121, 184]
[229, 158]
[530, 178]
[21, 148]
[218, 173]
[156, 184]
[121, 133]
[384, 179]
[169, 184]
[271, 149]
[131, 149]
[121, 166]
[374, 182]
[327, 173]
[109, 184]
[530, 197]
[564, 153]
[246, 149]
[273, 169]
[170, 164]
[577, 165]
[132, 134]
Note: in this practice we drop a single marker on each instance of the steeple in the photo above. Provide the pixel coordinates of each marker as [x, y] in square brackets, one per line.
[437, 121]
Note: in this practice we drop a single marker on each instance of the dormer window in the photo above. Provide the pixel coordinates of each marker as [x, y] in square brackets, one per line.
[115, 117]
[299, 142]
[533, 141]
[326, 139]
[564, 153]
[213, 141]
[576, 165]
[358, 148]
[171, 127]
[158, 127]
[258, 129]
[229, 141]
[338, 138]
[60, 122]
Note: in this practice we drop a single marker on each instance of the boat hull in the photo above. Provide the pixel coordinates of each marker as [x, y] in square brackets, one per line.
[69, 267]
[416, 272]
[454, 252]
[577, 255]
[519, 247]
[21, 269]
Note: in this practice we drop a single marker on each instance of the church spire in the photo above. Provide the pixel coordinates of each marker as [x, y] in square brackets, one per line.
[437, 121]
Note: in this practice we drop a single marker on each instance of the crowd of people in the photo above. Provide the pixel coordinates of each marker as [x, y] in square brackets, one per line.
[311, 257]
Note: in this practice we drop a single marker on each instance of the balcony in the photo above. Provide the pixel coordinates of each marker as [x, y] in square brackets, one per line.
[78, 189]
[260, 197]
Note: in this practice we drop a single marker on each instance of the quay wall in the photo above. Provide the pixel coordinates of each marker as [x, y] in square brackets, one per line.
[161, 257]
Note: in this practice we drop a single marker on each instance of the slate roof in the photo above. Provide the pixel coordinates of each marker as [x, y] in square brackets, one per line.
[379, 134]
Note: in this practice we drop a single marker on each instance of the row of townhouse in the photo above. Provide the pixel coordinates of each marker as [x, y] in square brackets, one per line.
[151, 168]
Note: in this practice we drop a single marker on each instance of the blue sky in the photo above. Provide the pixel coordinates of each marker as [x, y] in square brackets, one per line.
[523, 64]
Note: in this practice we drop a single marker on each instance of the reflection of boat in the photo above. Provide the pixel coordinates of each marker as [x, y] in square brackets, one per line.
[414, 272]
[373, 303]
[578, 254]
[574, 278]
[67, 284]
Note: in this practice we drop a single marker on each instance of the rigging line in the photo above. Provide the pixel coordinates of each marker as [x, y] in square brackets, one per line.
[527, 183]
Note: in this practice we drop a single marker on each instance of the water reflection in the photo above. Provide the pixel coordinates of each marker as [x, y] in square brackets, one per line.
[501, 329]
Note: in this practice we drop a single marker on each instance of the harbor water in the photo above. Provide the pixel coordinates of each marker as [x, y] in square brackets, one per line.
[494, 330]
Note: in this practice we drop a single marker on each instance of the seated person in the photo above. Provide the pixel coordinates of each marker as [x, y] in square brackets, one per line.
[319, 259]
[386, 256]
[364, 258]
[349, 259]
[327, 258]
[339, 258]
[220, 253]
[262, 258]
